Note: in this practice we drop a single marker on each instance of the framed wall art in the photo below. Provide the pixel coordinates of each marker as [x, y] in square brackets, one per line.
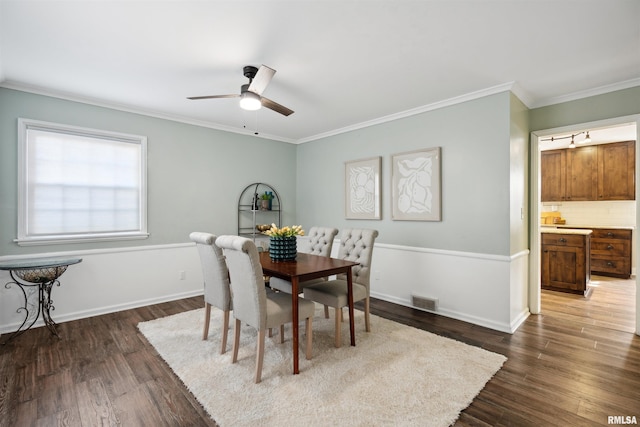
[362, 188]
[415, 185]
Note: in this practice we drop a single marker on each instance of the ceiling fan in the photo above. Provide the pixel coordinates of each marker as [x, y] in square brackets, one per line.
[251, 94]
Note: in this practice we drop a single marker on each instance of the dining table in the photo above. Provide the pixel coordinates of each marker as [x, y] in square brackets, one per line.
[307, 267]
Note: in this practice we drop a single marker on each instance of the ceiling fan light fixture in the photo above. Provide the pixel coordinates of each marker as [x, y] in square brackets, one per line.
[573, 144]
[250, 101]
[587, 139]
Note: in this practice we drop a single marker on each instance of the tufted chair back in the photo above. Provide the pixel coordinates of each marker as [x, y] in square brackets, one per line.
[214, 270]
[320, 243]
[356, 244]
[321, 240]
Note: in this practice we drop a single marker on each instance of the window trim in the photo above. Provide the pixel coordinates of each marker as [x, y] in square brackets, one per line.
[22, 210]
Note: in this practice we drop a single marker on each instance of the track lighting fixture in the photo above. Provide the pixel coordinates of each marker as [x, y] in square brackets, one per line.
[587, 138]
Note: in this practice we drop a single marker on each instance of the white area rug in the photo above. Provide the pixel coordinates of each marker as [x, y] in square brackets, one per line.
[396, 375]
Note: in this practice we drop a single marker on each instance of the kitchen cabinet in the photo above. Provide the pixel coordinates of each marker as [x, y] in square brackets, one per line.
[611, 252]
[582, 174]
[617, 171]
[597, 172]
[565, 261]
[553, 165]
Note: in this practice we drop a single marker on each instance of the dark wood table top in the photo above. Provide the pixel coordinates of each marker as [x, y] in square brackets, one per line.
[304, 267]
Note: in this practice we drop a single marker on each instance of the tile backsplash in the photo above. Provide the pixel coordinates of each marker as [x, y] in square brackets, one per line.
[615, 213]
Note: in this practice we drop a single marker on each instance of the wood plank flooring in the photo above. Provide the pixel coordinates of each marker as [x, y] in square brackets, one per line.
[574, 365]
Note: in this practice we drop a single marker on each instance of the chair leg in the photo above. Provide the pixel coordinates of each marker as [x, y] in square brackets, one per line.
[225, 331]
[236, 340]
[207, 318]
[367, 323]
[326, 312]
[259, 355]
[282, 334]
[309, 337]
[338, 327]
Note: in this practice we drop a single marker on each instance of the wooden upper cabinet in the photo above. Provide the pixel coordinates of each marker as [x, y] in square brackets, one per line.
[617, 171]
[596, 172]
[553, 164]
[582, 174]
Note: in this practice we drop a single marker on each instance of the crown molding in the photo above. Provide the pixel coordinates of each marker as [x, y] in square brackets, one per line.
[414, 111]
[586, 93]
[130, 109]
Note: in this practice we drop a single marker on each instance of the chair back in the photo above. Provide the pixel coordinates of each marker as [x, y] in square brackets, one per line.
[356, 245]
[214, 271]
[247, 283]
[321, 240]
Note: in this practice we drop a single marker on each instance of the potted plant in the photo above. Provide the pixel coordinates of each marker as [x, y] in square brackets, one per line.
[283, 242]
[265, 201]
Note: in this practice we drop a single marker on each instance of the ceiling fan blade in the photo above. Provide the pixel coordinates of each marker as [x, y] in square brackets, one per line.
[213, 96]
[276, 107]
[262, 79]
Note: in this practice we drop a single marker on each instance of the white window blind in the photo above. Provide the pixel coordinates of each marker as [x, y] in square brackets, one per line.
[80, 184]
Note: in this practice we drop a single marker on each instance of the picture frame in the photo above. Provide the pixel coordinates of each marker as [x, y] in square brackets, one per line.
[362, 188]
[416, 185]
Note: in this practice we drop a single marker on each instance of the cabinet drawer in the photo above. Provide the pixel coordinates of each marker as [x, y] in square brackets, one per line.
[617, 266]
[610, 247]
[574, 240]
[607, 233]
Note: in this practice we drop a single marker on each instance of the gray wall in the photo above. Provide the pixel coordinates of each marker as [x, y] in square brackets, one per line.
[609, 105]
[475, 141]
[519, 178]
[195, 174]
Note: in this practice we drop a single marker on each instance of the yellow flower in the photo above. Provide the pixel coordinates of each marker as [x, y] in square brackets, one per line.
[286, 231]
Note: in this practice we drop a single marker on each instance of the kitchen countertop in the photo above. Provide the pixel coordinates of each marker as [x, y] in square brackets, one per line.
[550, 230]
[613, 227]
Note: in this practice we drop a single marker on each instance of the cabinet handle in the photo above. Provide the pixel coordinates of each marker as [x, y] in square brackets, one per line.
[610, 264]
[562, 239]
[609, 247]
[609, 234]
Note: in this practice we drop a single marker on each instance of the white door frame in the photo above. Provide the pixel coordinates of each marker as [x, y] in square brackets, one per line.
[534, 185]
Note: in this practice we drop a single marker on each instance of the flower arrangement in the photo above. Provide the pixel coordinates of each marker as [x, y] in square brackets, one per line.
[286, 231]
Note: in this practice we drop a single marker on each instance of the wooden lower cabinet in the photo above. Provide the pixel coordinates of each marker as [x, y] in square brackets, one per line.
[611, 252]
[565, 260]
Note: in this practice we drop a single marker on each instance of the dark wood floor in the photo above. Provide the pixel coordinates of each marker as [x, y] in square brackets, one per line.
[574, 365]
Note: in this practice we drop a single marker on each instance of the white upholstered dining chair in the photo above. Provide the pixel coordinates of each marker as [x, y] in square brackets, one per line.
[355, 245]
[320, 243]
[252, 303]
[217, 291]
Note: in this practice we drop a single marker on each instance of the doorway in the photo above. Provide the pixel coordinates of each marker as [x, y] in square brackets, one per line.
[612, 130]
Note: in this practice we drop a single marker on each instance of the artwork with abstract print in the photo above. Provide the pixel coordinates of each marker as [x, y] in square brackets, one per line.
[415, 180]
[362, 189]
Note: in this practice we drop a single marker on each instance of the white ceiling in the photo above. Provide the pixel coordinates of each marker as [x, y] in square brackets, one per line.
[340, 64]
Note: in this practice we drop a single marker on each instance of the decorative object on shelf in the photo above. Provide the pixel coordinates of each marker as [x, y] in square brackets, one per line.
[283, 242]
[362, 188]
[265, 201]
[415, 185]
[262, 227]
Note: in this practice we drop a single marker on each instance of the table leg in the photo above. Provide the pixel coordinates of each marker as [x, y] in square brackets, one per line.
[46, 304]
[294, 305]
[352, 328]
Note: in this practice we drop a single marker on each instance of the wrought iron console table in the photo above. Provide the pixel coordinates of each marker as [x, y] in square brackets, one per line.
[36, 275]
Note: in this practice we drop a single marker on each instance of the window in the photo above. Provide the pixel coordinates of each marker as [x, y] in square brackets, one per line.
[78, 184]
